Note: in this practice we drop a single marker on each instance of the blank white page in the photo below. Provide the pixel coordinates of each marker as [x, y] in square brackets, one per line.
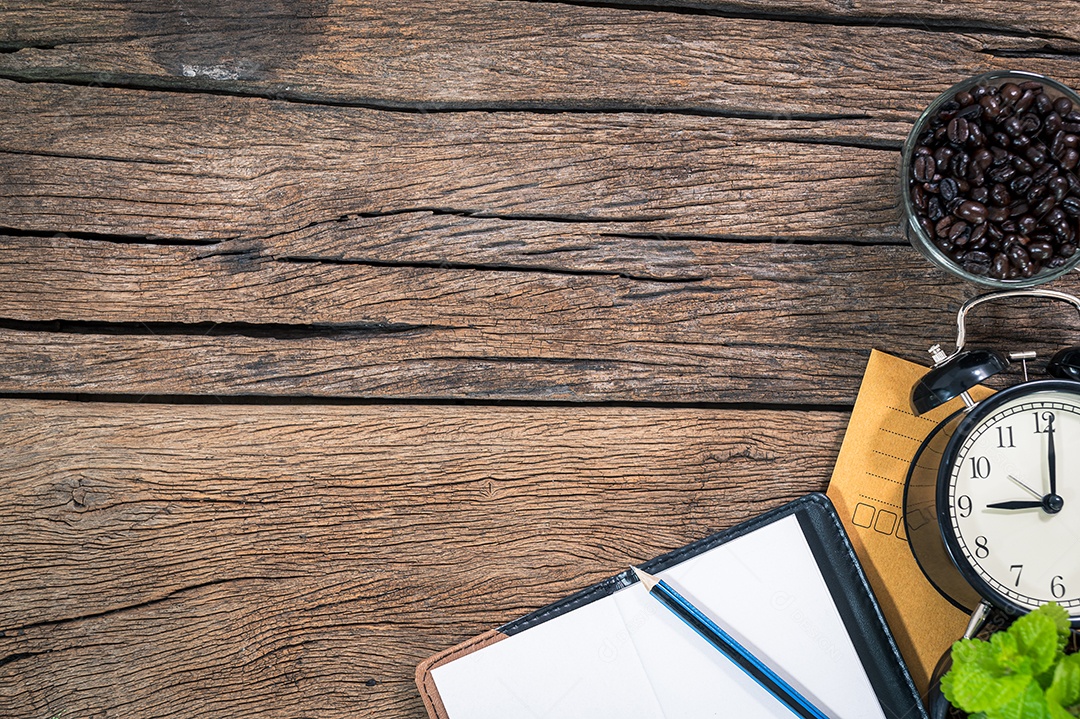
[628, 656]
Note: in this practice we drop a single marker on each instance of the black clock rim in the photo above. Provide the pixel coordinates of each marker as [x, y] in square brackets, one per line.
[952, 544]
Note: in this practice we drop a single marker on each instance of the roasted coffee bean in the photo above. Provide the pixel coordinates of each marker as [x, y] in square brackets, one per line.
[944, 153]
[1011, 92]
[1059, 186]
[1042, 209]
[1052, 123]
[1025, 101]
[934, 211]
[999, 195]
[1016, 209]
[980, 194]
[1053, 215]
[963, 98]
[1001, 156]
[959, 164]
[960, 233]
[1026, 224]
[969, 110]
[1022, 165]
[1043, 103]
[1063, 106]
[949, 188]
[1001, 173]
[1030, 122]
[1040, 250]
[1035, 155]
[1067, 250]
[976, 262]
[978, 235]
[1021, 184]
[924, 168]
[941, 229]
[997, 214]
[1071, 205]
[1000, 267]
[1044, 173]
[971, 211]
[958, 130]
[1019, 257]
[1070, 158]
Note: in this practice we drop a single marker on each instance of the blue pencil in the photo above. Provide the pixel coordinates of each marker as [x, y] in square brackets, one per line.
[769, 680]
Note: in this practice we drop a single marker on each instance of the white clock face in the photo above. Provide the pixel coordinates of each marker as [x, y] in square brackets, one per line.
[1014, 500]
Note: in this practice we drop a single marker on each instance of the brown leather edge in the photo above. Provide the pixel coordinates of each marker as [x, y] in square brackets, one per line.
[426, 684]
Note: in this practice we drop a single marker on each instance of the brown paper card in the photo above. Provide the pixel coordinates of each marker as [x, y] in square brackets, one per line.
[867, 488]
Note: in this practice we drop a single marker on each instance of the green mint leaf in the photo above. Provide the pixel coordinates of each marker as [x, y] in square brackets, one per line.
[1030, 703]
[1065, 688]
[1057, 712]
[1007, 654]
[975, 689]
[1036, 637]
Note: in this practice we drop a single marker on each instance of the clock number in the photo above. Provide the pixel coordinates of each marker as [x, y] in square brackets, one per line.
[982, 551]
[980, 467]
[1005, 437]
[1043, 422]
[1018, 568]
[963, 503]
[1057, 588]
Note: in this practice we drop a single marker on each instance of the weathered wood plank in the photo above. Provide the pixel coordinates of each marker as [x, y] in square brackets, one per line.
[848, 59]
[205, 559]
[184, 166]
[441, 307]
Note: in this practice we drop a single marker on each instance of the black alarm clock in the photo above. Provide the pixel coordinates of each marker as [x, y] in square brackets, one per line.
[992, 497]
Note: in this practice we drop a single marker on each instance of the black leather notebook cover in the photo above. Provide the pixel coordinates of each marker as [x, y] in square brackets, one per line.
[839, 566]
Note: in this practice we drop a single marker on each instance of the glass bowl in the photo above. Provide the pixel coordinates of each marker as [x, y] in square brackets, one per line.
[935, 243]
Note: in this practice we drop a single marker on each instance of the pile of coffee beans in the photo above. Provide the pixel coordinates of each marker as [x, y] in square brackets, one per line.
[994, 180]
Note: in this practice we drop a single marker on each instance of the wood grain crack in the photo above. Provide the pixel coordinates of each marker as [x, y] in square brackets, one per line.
[1046, 52]
[455, 401]
[482, 267]
[115, 238]
[242, 89]
[97, 158]
[270, 330]
[11, 658]
[740, 13]
[15, 631]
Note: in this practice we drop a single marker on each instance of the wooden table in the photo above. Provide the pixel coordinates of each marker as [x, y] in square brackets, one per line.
[333, 333]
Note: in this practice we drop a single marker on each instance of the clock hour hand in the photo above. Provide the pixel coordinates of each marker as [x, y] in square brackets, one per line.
[1018, 504]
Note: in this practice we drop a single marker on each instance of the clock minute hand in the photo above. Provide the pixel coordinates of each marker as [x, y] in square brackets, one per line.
[1051, 459]
[1016, 504]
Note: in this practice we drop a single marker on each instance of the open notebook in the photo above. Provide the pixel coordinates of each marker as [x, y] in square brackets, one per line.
[786, 585]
